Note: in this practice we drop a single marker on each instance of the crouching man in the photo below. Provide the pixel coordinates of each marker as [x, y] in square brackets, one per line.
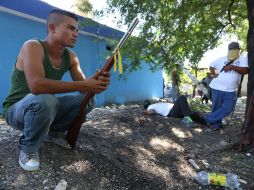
[31, 105]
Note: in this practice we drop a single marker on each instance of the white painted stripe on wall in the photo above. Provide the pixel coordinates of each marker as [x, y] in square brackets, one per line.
[36, 19]
[23, 15]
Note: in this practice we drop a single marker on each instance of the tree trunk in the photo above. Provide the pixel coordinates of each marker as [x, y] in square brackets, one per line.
[195, 86]
[248, 127]
[175, 80]
[250, 49]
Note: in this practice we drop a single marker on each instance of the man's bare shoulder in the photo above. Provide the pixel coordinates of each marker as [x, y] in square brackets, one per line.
[32, 44]
[31, 50]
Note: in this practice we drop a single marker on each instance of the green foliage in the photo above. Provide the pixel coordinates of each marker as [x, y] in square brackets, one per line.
[196, 105]
[173, 31]
[241, 32]
[84, 6]
[186, 80]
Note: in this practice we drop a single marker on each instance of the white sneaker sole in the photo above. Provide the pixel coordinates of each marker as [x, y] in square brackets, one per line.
[27, 168]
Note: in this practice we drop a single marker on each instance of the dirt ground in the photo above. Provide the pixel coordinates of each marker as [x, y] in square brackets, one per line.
[121, 148]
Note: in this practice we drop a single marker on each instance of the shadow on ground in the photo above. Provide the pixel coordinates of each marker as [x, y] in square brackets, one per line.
[121, 148]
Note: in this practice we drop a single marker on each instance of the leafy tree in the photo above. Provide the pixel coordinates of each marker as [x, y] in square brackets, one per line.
[175, 31]
[84, 6]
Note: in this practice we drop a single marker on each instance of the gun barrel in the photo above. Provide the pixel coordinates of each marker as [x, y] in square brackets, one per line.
[127, 34]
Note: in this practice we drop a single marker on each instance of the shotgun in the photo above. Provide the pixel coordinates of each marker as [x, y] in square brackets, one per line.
[73, 130]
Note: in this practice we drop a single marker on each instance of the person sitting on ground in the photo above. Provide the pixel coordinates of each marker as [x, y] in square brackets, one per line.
[179, 109]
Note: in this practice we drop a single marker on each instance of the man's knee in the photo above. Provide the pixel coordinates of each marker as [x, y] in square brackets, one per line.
[47, 102]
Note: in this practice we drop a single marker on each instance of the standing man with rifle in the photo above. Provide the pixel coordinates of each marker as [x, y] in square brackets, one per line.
[31, 105]
[225, 84]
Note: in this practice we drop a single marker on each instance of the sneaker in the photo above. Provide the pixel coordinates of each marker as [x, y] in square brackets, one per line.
[29, 161]
[188, 121]
[58, 141]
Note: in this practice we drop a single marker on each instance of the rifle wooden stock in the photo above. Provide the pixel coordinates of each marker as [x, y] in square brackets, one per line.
[75, 126]
[74, 129]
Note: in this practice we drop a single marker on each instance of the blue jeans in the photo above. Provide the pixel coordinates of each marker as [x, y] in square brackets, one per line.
[37, 115]
[223, 103]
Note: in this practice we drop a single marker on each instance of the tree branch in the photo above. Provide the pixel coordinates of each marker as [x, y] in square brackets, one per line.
[215, 38]
[229, 14]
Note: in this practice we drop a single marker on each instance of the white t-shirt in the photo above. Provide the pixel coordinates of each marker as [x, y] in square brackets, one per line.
[161, 108]
[227, 81]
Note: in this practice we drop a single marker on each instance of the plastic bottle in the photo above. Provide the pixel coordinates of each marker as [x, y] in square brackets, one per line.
[227, 180]
[187, 121]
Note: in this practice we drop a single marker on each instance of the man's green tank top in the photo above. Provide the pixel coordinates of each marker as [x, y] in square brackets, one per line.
[19, 87]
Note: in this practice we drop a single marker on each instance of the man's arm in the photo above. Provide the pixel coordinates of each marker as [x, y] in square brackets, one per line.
[99, 82]
[31, 62]
[213, 72]
[240, 70]
[75, 70]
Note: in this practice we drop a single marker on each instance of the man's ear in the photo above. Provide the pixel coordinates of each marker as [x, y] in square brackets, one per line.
[52, 28]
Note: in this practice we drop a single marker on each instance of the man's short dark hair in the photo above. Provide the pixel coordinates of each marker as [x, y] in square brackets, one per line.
[61, 12]
[147, 103]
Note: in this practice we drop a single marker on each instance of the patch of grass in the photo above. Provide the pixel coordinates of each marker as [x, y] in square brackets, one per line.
[196, 105]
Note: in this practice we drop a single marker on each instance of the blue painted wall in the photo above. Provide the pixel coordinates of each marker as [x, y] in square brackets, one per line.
[15, 30]
[41, 9]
